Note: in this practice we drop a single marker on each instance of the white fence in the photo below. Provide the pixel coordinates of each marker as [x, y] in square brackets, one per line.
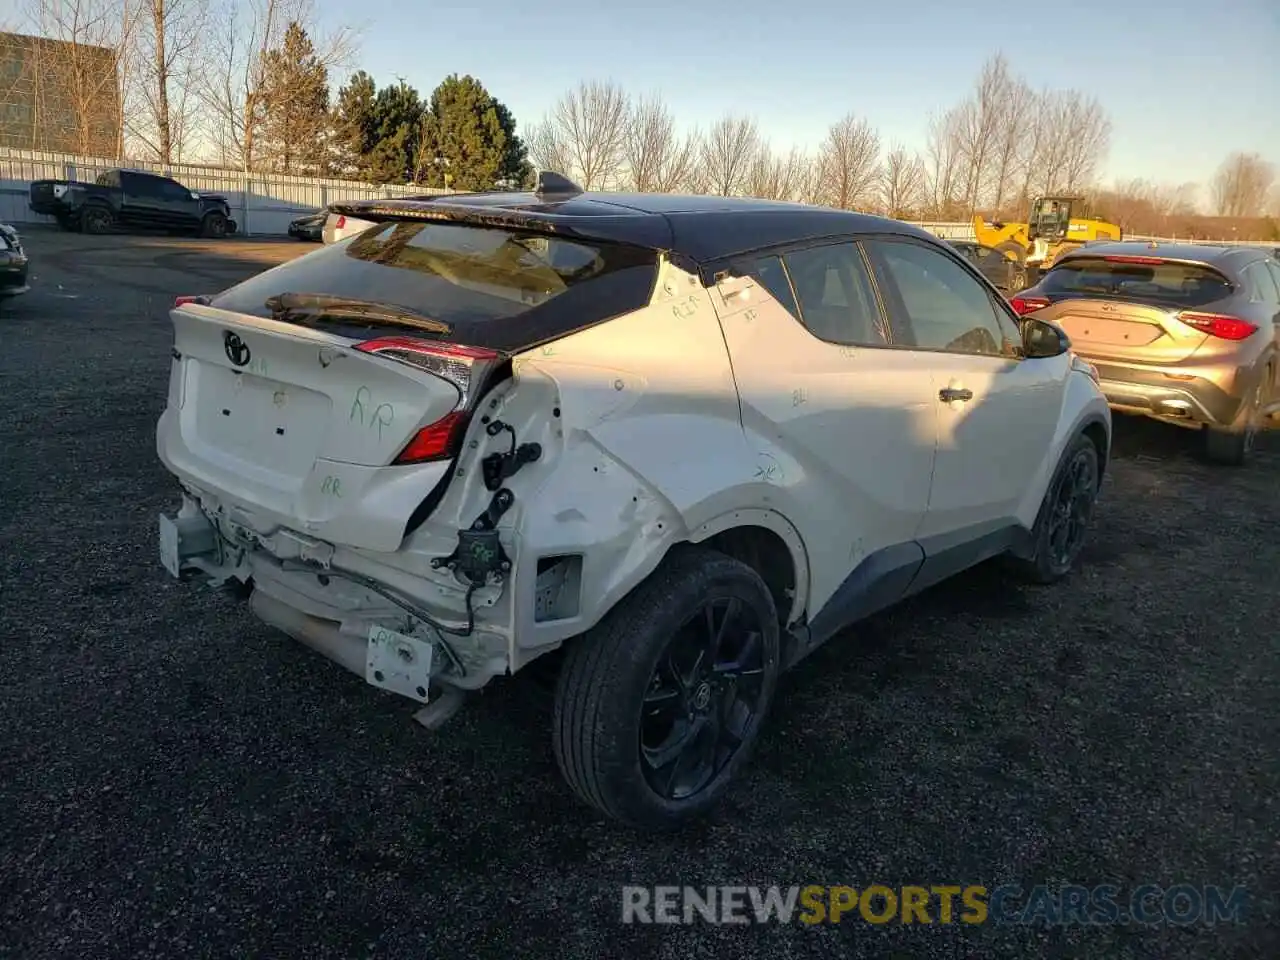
[262, 204]
[963, 230]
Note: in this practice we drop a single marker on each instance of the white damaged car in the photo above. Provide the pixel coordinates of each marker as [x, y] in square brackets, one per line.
[683, 440]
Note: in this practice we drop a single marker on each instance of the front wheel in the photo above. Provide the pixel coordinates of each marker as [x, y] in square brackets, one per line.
[214, 225]
[96, 220]
[660, 704]
[1063, 521]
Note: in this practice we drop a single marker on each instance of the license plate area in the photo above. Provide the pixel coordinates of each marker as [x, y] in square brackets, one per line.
[259, 420]
[1127, 333]
[399, 663]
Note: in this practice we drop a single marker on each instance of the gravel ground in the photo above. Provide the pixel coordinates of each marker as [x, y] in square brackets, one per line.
[178, 781]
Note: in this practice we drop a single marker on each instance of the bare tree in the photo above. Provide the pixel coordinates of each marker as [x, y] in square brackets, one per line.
[548, 150]
[851, 162]
[1242, 184]
[942, 164]
[74, 67]
[167, 75]
[657, 158]
[811, 178]
[1035, 147]
[901, 182]
[1084, 138]
[586, 132]
[978, 125]
[775, 176]
[233, 88]
[727, 151]
[1015, 111]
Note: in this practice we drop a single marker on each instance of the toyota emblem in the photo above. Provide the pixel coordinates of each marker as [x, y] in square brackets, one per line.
[237, 350]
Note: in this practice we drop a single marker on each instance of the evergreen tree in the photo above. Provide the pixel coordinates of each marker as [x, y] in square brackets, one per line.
[468, 140]
[355, 126]
[516, 172]
[295, 101]
[398, 114]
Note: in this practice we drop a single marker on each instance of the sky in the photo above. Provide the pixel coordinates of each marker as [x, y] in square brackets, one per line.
[1185, 82]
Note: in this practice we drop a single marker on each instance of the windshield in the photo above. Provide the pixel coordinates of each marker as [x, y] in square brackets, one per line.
[1163, 282]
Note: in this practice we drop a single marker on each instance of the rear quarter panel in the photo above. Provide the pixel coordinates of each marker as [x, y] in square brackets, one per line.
[643, 447]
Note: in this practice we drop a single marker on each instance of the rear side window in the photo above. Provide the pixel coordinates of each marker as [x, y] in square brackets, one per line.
[1163, 282]
[837, 302]
[770, 274]
[1262, 288]
[492, 287]
[1274, 269]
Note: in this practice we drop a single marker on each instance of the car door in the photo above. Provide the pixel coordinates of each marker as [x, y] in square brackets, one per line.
[140, 200]
[997, 413]
[845, 425]
[178, 207]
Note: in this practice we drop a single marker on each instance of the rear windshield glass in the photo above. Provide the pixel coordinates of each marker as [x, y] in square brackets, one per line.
[490, 287]
[1176, 284]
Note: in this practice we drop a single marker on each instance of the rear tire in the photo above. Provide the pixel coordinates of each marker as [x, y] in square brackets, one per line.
[213, 225]
[1233, 446]
[653, 717]
[96, 219]
[1063, 521]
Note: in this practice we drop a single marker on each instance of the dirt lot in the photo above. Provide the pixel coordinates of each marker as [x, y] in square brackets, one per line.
[178, 781]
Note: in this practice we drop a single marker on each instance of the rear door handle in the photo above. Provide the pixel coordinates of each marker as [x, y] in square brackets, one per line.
[954, 393]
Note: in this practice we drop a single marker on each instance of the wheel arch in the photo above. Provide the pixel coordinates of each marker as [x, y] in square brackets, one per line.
[1099, 433]
[768, 543]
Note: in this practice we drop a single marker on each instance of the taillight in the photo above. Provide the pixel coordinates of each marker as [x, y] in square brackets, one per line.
[1024, 305]
[342, 222]
[464, 367]
[179, 301]
[1219, 325]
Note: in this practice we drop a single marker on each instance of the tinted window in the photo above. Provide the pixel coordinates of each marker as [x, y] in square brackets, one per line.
[1262, 288]
[837, 301]
[1274, 269]
[769, 273]
[109, 179]
[1163, 282]
[492, 287]
[141, 186]
[947, 307]
[171, 190]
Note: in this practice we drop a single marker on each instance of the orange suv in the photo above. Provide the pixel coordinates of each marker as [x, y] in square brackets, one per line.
[1186, 333]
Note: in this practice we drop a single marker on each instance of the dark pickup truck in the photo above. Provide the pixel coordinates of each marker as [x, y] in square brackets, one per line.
[131, 198]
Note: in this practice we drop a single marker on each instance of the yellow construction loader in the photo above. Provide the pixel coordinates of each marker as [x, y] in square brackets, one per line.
[1056, 224]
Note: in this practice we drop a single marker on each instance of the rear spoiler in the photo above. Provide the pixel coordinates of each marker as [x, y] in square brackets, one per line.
[650, 232]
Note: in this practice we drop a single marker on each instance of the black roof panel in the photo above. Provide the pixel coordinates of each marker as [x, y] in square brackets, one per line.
[704, 228]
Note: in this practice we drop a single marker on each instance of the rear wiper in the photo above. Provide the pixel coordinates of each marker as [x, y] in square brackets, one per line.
[313, 307]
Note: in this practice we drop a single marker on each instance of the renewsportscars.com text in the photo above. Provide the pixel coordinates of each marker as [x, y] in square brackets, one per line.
[1104, 904]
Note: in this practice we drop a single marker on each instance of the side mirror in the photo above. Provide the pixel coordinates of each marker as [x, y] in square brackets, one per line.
[1042, 339]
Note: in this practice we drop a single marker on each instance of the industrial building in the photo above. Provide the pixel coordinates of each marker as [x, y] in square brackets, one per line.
[58, 96]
